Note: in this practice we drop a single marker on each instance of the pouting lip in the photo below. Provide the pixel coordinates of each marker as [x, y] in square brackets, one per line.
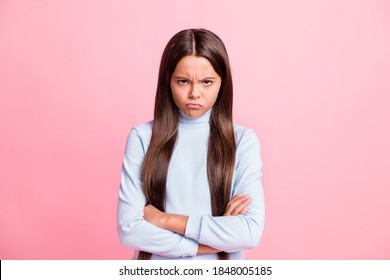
[194, 104]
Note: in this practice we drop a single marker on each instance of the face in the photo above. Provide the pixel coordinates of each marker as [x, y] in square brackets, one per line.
[195, 85]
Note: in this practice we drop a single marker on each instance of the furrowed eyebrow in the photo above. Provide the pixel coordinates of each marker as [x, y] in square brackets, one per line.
[187, 78]
[181, 77]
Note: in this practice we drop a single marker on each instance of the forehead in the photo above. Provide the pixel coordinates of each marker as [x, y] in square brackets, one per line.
[192, 64]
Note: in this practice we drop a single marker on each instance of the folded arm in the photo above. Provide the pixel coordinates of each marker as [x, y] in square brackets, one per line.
[178, 223]
[239, 228]
[174, 235]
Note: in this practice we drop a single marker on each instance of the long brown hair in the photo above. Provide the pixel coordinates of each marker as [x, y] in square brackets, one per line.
[221, 145]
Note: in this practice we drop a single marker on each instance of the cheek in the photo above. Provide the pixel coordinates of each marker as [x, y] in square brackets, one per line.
[215, 94]
[215, 99]
[173, 90]
[175, 93]
[177, 96]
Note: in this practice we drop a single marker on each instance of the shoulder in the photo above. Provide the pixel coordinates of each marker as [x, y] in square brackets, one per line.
[140, 136]
[143, 130]
[248, 151]
[245, 135]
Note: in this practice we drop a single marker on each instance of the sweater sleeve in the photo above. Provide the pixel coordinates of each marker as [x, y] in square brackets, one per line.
[234, 233]
[133, 230]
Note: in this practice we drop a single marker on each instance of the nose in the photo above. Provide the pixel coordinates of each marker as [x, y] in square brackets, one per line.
[194, 92]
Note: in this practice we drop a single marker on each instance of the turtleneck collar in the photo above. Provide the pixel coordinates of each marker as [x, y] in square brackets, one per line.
[202, 121]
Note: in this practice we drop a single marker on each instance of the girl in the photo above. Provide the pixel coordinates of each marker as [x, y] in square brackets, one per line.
[191, 180]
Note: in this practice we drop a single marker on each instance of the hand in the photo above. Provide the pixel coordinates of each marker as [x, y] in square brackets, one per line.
[238, 205]
[153, 215]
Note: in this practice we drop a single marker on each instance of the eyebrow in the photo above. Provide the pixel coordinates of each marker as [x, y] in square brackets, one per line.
[186, 78]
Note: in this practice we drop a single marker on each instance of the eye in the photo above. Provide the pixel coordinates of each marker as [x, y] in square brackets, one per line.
[207, 82]
[182, 82]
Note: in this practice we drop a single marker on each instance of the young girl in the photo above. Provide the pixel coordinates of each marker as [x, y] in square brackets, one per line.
[191, 180]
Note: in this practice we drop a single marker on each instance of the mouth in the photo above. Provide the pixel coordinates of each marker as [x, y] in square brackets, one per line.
[193, 105]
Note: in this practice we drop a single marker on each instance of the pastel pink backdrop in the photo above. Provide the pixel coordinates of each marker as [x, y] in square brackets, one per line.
[311, 77]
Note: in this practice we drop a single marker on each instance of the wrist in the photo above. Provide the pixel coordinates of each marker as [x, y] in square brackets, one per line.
[174, 222]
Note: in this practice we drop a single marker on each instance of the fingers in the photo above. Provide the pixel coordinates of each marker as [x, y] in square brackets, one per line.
[238, 205]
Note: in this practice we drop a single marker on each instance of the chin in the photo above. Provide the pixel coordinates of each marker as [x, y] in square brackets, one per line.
[194, 113]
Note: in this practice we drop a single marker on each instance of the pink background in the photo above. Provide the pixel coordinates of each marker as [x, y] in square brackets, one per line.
[311, 77]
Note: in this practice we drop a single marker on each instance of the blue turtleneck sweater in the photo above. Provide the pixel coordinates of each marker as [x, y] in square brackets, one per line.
[187, 193]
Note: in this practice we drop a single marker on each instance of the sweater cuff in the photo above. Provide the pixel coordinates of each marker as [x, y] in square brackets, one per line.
[192, 248]
[193, 227]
